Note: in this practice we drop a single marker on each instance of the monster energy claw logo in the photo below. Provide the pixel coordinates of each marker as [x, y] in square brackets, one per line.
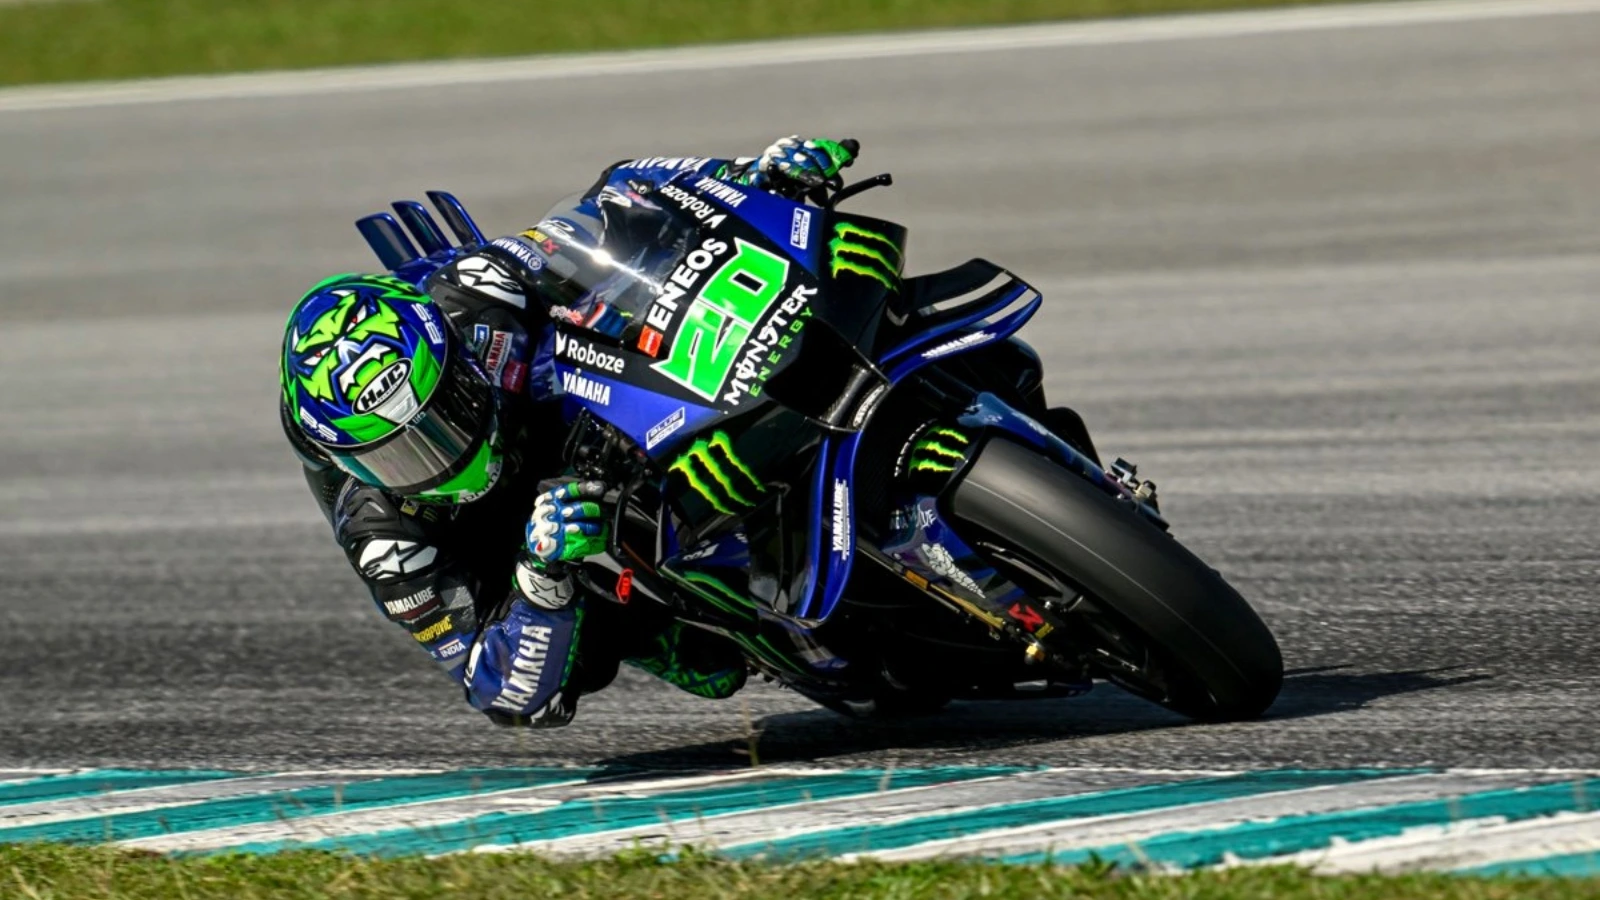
[718, 475]
[937, 450]
[869, 254]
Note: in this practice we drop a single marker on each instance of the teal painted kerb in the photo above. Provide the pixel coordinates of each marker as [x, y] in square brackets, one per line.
[99, 781]
[1574, 865]
[268, 807]
[867, 838]
[594, 814]
[1295, 834]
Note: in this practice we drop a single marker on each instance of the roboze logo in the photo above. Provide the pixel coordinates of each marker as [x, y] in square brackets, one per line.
[597, 392]
[586, 354]
[707, 214]
[841, 517]
[382, 387]
[527, 667]
[665, 428]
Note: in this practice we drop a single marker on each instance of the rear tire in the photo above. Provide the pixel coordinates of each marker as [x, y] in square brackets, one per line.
[1206, 652]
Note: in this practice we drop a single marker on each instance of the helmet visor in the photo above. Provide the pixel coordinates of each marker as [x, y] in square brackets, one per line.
[436, 444]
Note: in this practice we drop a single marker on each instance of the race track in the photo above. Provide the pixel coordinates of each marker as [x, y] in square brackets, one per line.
[1337, 290]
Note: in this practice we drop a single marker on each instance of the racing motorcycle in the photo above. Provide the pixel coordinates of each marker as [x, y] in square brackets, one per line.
[851, 474]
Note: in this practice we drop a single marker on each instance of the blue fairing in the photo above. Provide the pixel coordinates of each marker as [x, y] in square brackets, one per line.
[926, 349]
[657, 423]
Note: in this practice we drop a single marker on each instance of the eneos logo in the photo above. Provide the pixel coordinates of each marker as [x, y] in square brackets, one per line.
[723, 316]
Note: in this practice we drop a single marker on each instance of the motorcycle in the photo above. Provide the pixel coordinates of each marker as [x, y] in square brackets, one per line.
[851, 474]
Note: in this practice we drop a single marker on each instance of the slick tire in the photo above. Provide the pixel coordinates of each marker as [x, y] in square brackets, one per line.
[1210, 657]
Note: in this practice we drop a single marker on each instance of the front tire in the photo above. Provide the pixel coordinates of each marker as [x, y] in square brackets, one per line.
[1201, 650]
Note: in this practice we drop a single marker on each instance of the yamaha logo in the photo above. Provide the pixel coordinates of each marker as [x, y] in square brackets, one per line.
[383, 387]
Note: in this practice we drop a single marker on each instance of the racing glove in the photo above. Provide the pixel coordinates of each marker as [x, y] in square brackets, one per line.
[806, 163]
[568, 523]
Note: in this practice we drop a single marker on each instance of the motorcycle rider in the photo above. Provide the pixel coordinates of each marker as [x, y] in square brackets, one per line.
[425, 413]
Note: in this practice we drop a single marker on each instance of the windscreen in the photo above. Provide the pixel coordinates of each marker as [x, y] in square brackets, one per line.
[607, 258]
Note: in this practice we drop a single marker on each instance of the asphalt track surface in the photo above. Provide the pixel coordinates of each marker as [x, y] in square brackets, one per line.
[1338, 291]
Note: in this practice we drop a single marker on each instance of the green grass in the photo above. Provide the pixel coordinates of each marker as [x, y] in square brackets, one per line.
[57, 872]
[88, 39]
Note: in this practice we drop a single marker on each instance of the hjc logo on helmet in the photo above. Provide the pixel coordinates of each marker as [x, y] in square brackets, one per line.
[383, 386]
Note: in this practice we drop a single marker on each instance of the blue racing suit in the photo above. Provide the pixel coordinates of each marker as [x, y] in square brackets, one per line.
[514, 630]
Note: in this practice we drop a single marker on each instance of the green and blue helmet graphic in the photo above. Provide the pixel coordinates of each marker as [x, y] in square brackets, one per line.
[369, 373]
[361, 356]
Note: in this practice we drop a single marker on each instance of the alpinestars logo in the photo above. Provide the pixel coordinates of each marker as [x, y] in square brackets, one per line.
[937, 450]
[860, 251]
[482, 275]
[390, 559]
[715, 472]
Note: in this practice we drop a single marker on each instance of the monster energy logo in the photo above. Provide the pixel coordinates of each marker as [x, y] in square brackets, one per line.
[869, 254]
[714, 470]
[938, 450]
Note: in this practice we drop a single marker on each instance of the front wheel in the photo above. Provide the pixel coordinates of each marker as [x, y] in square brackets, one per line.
[1160, 622]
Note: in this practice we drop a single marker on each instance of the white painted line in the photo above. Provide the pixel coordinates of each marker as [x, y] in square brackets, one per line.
[1127, 828]
[769, 53]
[422, 815]
[664, 785]
[434, 813]
[759, 826]
[1458, 845]
[17, 776]
[96, 806]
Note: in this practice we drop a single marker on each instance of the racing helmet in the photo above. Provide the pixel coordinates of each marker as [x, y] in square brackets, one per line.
[375, 376]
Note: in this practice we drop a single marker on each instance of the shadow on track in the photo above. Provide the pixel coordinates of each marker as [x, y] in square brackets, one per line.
[1329, 689]
[974, 729]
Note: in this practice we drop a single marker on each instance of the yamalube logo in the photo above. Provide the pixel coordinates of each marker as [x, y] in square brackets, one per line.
[841, 517]
[586, 354]
[383, 386]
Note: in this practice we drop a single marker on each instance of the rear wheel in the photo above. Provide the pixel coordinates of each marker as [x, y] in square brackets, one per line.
[1153, 618]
